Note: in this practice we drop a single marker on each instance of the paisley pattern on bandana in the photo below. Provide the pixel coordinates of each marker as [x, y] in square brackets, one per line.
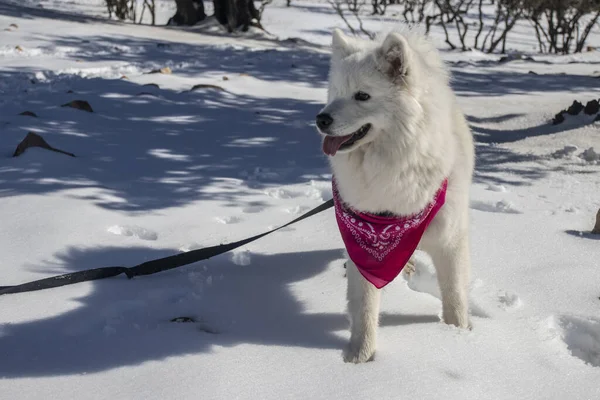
[381, 246]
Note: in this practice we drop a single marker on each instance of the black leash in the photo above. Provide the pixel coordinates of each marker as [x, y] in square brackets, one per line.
[149, 267]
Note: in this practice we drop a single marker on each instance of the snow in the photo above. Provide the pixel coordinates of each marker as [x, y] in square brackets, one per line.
[137, 231]
[161, 168]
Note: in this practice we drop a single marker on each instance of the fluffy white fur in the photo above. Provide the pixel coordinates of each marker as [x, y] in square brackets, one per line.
[418, 137]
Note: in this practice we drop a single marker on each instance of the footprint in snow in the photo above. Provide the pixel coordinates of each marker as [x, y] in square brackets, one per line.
[295, 210]
[482, 298]
[581, 336]
[423, 278]
[496, 188]
[509, 301]
[228, 220]
[252, 209]
[132, 230]
[501, 206]
[278, 193]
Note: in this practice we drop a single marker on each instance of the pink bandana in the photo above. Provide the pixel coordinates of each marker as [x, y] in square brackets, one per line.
[381, 246]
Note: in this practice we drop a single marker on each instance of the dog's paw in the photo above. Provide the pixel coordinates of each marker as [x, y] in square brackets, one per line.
[459, 320]
[358, 354]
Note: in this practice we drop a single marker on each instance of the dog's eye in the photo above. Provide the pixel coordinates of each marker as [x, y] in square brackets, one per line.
[361, 96]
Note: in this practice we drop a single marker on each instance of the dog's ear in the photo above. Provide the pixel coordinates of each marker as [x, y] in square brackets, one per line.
[393, 55]
[342, 46]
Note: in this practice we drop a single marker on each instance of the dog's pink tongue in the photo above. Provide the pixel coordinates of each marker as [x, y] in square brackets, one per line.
[331, 144]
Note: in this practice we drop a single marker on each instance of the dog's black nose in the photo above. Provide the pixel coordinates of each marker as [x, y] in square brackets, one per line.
[324, 121]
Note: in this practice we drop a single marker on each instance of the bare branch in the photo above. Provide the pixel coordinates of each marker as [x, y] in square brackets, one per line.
[354, 7]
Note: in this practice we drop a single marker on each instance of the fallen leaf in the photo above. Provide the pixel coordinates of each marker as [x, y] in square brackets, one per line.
[225, 78]
[165, 71]
[152, 85]
[18, 48]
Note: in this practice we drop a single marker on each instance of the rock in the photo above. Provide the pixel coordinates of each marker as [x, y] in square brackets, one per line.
[513, 57]
[28, 114]
[225, 78]
[34, 140]
[558, 118]
[596, 229]
[590, 155]
[79, 105]
[592, 107]
[206, 86]
[183, 319]
[152, 85]
[575, 108]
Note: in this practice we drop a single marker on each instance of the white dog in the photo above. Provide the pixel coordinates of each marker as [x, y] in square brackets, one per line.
[398, 145]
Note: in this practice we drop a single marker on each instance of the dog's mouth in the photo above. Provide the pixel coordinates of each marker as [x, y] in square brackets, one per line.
[332, 144]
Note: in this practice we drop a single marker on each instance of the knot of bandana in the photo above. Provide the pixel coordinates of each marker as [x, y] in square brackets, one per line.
[381, 246]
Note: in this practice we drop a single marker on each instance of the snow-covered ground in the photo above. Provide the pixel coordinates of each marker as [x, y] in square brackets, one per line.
[162, 169]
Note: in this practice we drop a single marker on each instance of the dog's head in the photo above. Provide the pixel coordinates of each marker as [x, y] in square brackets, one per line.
[373, 88]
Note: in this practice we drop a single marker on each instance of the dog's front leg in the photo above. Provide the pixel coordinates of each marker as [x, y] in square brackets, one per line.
[453, 265]
[363, 310]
